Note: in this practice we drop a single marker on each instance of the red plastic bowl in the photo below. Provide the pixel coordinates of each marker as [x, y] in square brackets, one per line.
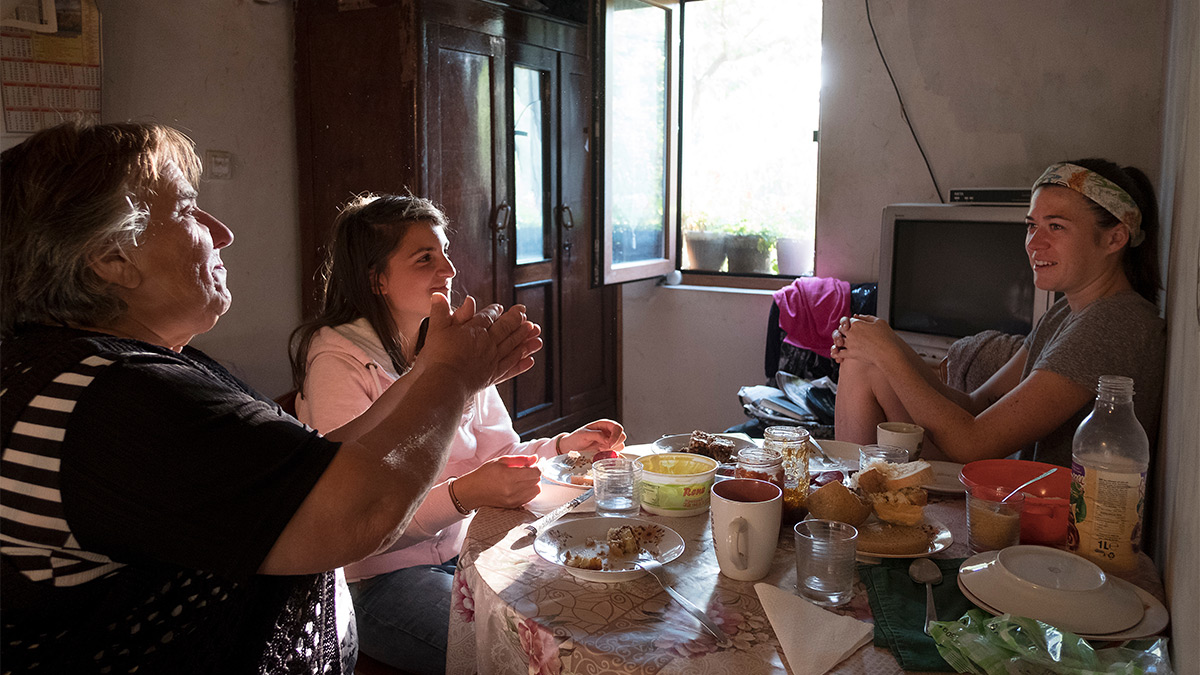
[1044, 519]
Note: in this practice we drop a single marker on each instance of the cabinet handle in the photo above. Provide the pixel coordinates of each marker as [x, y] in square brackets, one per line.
[565, 217]
[500, 222]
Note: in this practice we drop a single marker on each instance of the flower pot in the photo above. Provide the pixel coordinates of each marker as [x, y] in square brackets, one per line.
[795, 255]
[748, 254]
[705, 250]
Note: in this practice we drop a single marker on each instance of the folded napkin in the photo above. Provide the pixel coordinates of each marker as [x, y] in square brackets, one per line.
[814, 640]
[898, 604]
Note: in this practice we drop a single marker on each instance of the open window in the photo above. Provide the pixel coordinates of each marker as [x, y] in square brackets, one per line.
[639, 142]
[710, 118]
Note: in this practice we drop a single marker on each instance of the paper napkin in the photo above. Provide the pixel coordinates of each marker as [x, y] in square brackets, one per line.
[814, 640]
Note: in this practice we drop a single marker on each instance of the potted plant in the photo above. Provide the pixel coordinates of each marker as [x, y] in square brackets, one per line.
[749, 248]
[703, 244]
[795, 255]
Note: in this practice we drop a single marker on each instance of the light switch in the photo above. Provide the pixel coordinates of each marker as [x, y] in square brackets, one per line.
[218, 165]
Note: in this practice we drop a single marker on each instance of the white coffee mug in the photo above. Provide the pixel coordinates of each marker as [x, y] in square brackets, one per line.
[902, 435]
[745, 526]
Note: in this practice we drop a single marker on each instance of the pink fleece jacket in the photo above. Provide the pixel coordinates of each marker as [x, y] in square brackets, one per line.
[347, 371]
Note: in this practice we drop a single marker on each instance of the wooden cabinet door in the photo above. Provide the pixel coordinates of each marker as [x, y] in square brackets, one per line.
[466, 156]
[587, 315]
[533, 124]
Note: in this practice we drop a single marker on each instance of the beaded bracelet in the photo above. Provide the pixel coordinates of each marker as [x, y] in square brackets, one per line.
[457, 504]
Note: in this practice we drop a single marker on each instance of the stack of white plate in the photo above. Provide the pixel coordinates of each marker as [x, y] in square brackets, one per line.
[1060, 589]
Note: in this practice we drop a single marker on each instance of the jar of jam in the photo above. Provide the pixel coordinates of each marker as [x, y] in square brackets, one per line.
[793, 446]
[760, 464]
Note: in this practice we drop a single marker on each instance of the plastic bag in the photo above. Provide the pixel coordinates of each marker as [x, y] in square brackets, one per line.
[1003, 645]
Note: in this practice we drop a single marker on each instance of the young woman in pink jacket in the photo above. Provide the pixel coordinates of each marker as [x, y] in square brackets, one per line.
[390, 253]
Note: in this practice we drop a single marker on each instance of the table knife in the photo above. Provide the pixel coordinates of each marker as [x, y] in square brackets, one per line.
[538, 526]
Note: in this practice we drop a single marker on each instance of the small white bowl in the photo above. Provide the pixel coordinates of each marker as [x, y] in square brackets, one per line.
[676, 483]
[1052, 586]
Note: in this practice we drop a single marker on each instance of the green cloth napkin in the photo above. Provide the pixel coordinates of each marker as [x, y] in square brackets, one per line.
[898, 604]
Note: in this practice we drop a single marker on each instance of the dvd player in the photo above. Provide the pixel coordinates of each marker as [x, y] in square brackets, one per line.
[990, 195]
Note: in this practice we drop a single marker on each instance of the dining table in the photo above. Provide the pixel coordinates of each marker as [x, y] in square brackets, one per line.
[514, 612]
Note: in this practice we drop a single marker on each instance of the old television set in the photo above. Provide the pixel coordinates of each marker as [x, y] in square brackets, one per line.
[947, 271]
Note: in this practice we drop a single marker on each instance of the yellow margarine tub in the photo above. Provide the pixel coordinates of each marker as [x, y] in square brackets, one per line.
[676, 483]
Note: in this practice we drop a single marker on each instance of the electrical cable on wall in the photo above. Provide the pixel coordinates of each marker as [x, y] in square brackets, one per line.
[903, 110]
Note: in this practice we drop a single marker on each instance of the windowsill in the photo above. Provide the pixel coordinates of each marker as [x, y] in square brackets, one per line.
[733, 282]
[718, 289]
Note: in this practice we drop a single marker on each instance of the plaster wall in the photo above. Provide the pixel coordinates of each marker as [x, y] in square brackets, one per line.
[222, 72]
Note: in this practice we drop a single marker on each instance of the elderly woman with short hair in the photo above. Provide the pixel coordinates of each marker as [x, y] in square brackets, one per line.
[160, 515]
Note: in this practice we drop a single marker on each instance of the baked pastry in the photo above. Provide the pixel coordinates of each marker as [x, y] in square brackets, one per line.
[876, 536]
[905, 506]
[834, 501]
[881, 475]
[710, 445]
[894, 489]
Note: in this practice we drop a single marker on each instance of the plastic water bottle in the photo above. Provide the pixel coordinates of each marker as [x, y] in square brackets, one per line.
[1109, 458]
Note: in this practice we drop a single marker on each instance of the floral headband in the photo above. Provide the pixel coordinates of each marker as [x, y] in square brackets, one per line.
[1101, 190]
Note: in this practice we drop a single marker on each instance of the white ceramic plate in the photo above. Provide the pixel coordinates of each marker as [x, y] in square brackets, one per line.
[558, 470]
[662, 543]
[940, 541]
[1052, 586]
[843, 454]
[553, 495]
[1154, 617]
[945, 478]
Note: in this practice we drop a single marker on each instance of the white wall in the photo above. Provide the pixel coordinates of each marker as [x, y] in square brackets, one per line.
[685, 352]
[222, 72]
[996, 91]
[1176, 526]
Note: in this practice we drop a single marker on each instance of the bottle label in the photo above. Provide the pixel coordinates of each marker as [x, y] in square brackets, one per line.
[1105, 518]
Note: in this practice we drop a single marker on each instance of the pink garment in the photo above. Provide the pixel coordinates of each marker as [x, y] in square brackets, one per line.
[347, 371]
[809, 310]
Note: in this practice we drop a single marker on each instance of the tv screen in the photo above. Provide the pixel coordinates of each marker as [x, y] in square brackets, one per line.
[960, 277]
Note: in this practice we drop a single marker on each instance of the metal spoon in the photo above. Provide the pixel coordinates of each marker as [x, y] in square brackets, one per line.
[1027, 484]
[925, 571]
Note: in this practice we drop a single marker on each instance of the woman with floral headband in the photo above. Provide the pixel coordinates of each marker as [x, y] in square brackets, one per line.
[1091, 238]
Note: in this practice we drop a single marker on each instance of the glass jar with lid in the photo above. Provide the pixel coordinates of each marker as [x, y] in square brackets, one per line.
[792, 444]
[760, 464]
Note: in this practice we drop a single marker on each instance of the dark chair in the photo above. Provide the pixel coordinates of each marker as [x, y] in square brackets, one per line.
[369, 666]
[288, 401]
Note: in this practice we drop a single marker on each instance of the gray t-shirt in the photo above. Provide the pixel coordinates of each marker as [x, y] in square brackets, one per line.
[1118, 335]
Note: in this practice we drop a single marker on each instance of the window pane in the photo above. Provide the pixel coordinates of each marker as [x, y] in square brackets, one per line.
[751, 94]
[636, 155]
[529, 151]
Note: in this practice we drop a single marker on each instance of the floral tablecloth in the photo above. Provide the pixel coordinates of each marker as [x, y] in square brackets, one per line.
[513, 612]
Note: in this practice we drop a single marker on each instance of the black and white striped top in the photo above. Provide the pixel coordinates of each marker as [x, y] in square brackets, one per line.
[129, 541]
[34, 534]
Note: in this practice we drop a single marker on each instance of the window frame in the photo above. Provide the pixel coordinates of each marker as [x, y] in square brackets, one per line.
[635, 271]
[604, 272]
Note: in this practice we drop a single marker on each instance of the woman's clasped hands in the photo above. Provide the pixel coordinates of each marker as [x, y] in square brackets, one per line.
[489, 345]
[864, 337]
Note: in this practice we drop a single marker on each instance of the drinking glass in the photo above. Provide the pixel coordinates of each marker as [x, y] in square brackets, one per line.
[617, 483]
[993, 524]
[889, 453]
[825, 561]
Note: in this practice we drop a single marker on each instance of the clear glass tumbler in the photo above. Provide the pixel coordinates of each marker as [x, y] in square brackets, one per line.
[825, 561]
[618, 487]
[992, 523]
[888, 453]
